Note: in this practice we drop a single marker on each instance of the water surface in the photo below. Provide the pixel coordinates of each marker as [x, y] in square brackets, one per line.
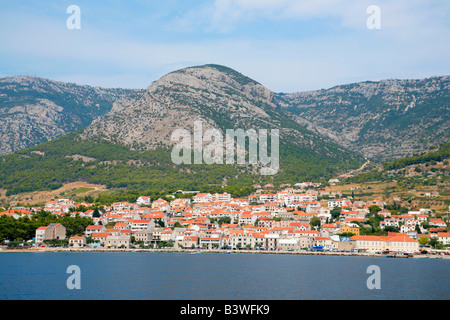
[181, 276]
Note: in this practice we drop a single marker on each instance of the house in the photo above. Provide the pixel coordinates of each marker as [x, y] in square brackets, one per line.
[332, 203]
[161, 205]
[405, 228]
[113, 242]
[91, 229]
[350, 228]
[142, 200]
[77, 242]
[384, 213]
[437, 223]
[121, 225]
[422, 218]
[145, 236]
[332, 227]
[304, 242]
[242, 239]
[17, 213]
[264, 198]
[270, 241]
[120, 206]
[348, 215]
[221, 197]
[444, 237]
[141, 224]
[210, 242]
[188, 241]
[10, 213]
[180, 202]
[389, 222]
[247, 218]
[326, 243]
[306, 233]
[393, 242]
[289, 244]
[100, 237]
[202, 197]
[50, 232]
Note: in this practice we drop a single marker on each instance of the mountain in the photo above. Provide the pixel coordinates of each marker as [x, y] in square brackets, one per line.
[382, 120]
[35, 110]
[130, 147]
[426, 170]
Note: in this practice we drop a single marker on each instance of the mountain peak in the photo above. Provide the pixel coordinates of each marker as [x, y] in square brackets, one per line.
[210, 78]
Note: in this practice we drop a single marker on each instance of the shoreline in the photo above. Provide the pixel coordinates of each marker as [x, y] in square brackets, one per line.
[206, 251]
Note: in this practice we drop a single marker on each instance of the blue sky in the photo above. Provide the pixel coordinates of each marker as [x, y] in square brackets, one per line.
[287, 45]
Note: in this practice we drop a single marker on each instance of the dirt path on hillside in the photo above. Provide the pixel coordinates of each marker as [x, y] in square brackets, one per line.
[352, 172]
[36, 197]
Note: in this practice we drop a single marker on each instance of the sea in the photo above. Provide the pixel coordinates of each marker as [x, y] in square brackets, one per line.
[215, 276]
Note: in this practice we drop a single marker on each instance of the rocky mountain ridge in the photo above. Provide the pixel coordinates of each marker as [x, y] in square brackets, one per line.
[382, 120]
[34, 110]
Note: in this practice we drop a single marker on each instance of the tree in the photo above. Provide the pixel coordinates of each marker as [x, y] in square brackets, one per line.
[391, 229]
[223, 220]
[346, 234]
[96, 213]
[418, 229]
[315, 222]
[161, 223]
[433, 242]
[335, 212]
[423, 241]
[373, 210]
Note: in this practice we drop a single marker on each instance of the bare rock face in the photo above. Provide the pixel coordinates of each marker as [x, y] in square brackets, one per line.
[382, 120]
[218, 96]
[34, 110]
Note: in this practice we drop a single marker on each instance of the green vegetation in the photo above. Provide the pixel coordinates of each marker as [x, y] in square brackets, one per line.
[423, 167]
[26, 171]
[24, 228]
[439, 155]
[314, 222]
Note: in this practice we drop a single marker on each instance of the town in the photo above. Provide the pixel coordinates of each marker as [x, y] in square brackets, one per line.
[304, 217]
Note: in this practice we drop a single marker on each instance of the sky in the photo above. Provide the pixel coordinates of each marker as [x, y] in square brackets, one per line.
[286, 45]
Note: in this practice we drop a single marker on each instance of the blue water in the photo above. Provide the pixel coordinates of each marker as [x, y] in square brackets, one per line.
[180, 276]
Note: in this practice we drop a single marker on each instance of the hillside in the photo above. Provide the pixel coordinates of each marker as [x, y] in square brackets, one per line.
[422, 180]
[34, 110]
[383, 120]
[131, 147]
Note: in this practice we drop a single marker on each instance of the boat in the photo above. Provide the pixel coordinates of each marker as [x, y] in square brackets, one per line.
[389, 254]
[408, 255]
[196, 252]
